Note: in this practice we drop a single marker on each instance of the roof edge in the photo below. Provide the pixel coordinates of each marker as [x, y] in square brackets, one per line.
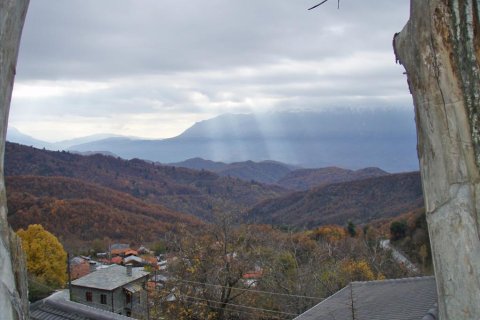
[59, 300]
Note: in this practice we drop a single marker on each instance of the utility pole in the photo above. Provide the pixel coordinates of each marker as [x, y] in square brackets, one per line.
[69, 277]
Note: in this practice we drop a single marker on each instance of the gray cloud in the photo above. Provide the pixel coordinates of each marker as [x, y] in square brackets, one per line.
[127, 64]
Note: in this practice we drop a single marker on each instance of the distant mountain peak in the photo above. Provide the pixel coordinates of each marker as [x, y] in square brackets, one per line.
[384, 138]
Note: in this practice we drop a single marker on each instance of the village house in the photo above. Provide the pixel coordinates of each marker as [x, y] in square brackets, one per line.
[135, 261]
[131, 252]
[59, 307]
[117, 289]
[79, 267]
[119, 249]
[117, 260]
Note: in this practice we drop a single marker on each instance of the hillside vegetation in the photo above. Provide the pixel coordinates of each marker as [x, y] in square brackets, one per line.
[304, 179]
[86, 197]
[360, 201]
[180, 189]
[263, 171]
[79, 212]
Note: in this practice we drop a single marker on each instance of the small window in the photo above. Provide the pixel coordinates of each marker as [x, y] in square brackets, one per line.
[129, 298]
[103, 299]
[88, 296]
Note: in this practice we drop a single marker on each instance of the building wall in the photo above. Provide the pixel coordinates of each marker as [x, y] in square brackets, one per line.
[79, 295]
[138, 306]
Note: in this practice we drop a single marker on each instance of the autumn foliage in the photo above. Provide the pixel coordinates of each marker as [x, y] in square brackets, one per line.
[80, 212]
[46, 258]
[179, 189]
[276, 274]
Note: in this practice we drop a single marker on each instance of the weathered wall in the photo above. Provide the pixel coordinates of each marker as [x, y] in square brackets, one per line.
[13, 287]
[440, 49]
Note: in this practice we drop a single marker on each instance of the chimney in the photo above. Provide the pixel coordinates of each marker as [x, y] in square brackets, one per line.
[93, 266]
[129, 269]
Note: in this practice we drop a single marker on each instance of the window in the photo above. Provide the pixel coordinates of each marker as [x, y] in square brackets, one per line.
[129, 298]
[88, 296]
[103, 299]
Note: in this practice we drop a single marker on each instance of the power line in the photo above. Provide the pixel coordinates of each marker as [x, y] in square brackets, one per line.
[251, 290]
[227, 309]
[240, 305]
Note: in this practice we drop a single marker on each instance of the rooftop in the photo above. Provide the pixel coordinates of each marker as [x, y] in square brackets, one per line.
[59, 307]
[109, 278]
[133, 258]
[121, 246]
[397, 299]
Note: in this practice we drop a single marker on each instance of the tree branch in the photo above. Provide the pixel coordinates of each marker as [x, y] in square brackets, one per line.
[318, 5]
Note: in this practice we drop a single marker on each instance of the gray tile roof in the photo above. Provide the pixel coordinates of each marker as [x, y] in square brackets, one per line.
[43, 311]
[399, 299]
[119, 246]
[59, 307]
[109, 278]
[132, 258]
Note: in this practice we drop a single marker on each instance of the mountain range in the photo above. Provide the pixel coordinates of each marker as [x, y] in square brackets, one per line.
[264, 171]
[344, 138]
[200, 193]
[281, 174]
[87, 198]
[15, 135]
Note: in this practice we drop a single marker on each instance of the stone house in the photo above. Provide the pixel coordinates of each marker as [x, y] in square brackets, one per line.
[118, 289]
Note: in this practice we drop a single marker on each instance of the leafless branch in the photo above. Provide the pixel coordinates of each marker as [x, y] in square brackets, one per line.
[318, 5]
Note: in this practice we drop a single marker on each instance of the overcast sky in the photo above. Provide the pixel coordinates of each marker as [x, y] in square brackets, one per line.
[151, 68]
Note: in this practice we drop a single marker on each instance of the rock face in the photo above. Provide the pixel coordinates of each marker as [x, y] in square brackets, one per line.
[13, 283]
[440, 49]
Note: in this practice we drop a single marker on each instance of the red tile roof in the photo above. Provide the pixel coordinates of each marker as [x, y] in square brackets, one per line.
[117, 260]
[131, 252]
[253, 275]
[79, 270]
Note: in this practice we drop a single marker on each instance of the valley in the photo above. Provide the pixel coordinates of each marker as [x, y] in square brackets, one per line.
[283, 236]
[116, 190]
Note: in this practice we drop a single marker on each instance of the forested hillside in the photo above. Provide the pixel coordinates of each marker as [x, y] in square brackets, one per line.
[359, 201]
[180, 189]
[304, 179]
[79, 212]
[263, 171]
[202, 193]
